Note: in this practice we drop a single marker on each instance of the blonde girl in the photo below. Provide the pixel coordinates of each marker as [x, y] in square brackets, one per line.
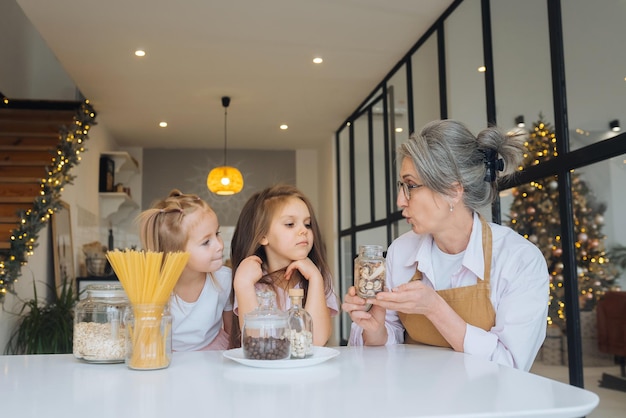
[200, 304]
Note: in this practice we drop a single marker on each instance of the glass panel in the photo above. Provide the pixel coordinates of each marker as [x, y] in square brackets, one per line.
[579, 138]
[378, 194]
[397, 102]
[540, 144]
[345, 281]
[424, 66]
[372, 236]
[520, 36]
[599, 189]
[344, 178]
[398, 123]
[392, 189]
[375, 97]
[362, 186]
[599, 205]
[594, 62]
[532, 210]
[464, 57]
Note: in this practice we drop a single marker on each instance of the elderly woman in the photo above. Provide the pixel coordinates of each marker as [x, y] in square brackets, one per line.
[456, 280]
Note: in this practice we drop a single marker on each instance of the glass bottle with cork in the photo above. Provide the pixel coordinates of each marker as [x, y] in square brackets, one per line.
[300, 326]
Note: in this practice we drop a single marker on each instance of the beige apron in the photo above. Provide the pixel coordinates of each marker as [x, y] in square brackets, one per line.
[472, 303]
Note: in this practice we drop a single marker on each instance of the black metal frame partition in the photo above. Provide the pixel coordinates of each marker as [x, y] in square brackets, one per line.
[559, 166]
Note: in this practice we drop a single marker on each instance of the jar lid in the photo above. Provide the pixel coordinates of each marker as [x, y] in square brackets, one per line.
[266, 314]
[371, 250]
[106, 291]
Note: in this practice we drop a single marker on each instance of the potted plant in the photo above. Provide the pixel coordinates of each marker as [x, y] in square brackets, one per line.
[45, 327]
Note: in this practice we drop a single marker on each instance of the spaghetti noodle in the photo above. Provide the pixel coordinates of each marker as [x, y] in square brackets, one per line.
[148, 280]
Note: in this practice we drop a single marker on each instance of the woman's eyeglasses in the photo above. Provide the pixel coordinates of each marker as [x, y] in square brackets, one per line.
[406, 188]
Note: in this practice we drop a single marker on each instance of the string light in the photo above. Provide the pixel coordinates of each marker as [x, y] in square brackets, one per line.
[23, 238]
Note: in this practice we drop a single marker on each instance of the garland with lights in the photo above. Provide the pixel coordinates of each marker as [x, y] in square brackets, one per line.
[534, 214]
[66, 156]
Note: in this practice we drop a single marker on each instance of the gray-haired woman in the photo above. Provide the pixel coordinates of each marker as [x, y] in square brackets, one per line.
[456, 280]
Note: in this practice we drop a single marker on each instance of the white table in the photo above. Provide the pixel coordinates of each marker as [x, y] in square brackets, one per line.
[398, 381]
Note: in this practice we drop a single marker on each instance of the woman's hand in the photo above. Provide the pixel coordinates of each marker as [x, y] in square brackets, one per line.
[372, 321]
[410, 298]
[416, 298]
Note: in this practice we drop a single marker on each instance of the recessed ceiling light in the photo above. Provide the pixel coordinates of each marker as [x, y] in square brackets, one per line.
[140, 53]
[284, 127]
[482, 69]
[163, 124]
[399, 129]
[318, 60]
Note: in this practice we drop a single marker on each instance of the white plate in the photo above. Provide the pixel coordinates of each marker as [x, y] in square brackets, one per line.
[320, 355]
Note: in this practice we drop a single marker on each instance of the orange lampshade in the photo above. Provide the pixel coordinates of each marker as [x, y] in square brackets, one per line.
[225, 180]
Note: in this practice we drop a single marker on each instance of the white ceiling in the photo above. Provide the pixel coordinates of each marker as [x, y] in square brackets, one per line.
[259, 52]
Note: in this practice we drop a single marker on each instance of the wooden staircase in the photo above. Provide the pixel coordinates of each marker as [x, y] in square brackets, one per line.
[29, 136]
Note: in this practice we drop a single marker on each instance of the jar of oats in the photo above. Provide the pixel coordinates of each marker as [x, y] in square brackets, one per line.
[369, 271]
[99, 335]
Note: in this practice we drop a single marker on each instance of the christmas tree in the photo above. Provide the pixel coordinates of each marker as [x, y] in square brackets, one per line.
[534, 214]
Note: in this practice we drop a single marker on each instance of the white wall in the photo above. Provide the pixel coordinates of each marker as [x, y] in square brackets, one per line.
[28, 69]
[322, 191]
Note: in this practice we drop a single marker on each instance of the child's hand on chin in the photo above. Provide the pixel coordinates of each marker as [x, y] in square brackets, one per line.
[306, 267]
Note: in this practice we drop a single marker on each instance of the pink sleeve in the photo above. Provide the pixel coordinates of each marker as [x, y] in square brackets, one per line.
[332, 303]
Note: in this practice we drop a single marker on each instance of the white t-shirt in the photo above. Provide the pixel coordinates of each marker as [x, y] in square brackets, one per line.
[448, 265]
[519, 292]
[195, 325]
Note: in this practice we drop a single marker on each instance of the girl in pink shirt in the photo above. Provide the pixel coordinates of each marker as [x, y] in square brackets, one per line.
[277, 244]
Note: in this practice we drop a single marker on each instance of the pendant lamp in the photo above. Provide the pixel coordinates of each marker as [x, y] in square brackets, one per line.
[225, 180]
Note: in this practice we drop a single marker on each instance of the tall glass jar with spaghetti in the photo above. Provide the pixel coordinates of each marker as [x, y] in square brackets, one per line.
[148, 336]
[148, 278]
